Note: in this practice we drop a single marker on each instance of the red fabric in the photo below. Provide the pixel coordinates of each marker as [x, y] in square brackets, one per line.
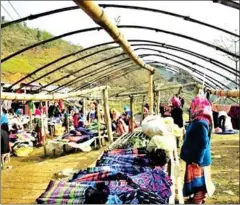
[61, 105]
[199, 197]
[75, 120]
[193, 172]
[37, 112]
[94, 176]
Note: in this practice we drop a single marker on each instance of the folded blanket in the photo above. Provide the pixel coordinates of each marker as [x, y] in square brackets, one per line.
[63, 193]
[127, 151]
[155, 181]
[124, 159]
[125, 169]
[78, 139]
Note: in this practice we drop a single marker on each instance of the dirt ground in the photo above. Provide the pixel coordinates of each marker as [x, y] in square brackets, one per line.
[30, 176]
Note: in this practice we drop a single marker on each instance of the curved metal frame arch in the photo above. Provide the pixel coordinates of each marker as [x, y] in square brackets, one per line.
[172, 67]
[163, 45]
[112, 65]
[102, 77]
[186, 18]
[120, 26]
[74, 61]
[88, 66]
[77, 78]
[197, 55]
[73, 80]
[67, 64]
[113, 78]
[193, 63]
[116, 70]
[229, 3]
[187, 66]
[200, 80]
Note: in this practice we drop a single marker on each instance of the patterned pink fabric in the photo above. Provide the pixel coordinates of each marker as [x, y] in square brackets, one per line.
[201, 109]
[176, 102]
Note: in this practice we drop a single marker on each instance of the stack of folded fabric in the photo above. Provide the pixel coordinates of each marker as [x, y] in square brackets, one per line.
[121, 176]
[132, 140]
[22, 143]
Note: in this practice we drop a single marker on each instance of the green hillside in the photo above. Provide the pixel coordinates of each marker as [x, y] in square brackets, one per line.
[18, 36]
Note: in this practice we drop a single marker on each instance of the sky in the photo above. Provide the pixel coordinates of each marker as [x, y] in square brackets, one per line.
[206, 11]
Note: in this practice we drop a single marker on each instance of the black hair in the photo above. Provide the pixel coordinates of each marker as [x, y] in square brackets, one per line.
[147, 106]
[98, 195]
[4, 111]
[159, 157]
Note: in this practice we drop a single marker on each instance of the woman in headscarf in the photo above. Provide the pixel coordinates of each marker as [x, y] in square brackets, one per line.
[177, 112]
[196, 152]
[118, 122]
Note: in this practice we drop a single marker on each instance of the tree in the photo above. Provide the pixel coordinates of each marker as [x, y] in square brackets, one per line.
[231, 44]
[117, 20]
[38, 35]
[3, 19]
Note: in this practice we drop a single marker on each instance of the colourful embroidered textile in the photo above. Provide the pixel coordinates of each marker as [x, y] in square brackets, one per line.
[126, 169]
[194, 179]
[176, 102]
[63, 193]
[124, 159]
[127, 151]
[140, 197]
[101, 176]
[155, 181]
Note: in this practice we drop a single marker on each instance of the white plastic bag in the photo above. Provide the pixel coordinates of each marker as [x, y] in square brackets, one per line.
[166, 143]
[154, 125]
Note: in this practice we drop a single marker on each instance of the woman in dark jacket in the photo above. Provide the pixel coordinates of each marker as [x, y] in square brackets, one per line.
[196, 152]
[177, 112]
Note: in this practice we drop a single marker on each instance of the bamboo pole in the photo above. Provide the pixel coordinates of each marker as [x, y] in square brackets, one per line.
[30, 117]
[84, 107]
[143, 108]
[42, 131]
[158, 102]
[131, 109]
[99, 124]
[224, 93]
[107, 114]
[37, 97]
[157, 89]
[150, 93]
[99, 16]
[46, 105]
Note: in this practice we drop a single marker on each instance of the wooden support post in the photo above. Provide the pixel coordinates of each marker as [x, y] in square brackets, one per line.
[150, 93]
[42, 131]
[172, 175]
[158, 102]
[179, 91]
[67, 116]
[30, 117]
[46, 105]
[84, 107]
[143, 108]
[131, 110]
[99, 124]
[107, 114]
